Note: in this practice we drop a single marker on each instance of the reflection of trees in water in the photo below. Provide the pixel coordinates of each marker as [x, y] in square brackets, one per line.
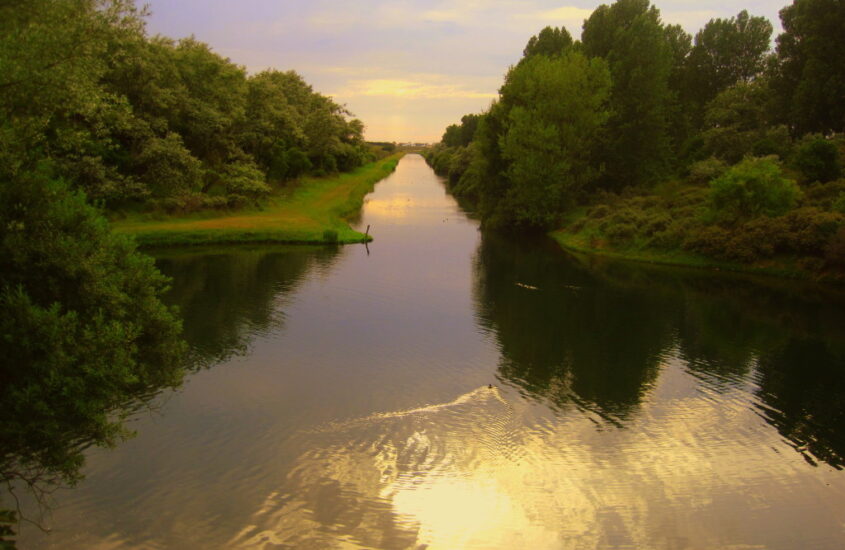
[564, 338]
[599, 345]
[226, 298]
[47, 425]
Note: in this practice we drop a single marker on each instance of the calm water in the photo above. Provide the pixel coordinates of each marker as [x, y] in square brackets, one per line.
[346, 402]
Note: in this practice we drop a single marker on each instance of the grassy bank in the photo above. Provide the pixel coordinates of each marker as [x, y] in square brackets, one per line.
[674, 225]
[593, 245]
[315, 211]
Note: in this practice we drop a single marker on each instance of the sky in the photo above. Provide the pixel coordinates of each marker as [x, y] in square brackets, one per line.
[406, 68]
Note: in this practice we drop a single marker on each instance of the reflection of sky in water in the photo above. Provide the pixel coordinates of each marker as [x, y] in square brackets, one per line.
[628, 412]
[490, 470]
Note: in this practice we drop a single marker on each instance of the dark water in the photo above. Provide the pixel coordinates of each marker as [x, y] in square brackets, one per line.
[345, 402]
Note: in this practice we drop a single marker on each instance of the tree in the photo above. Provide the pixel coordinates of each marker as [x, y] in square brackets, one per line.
[738, 122]
[460, 135]
[558, 107]
[727, 51]
[550, 41]
[810, 74]
[818, 159]
[82, 328]
[754, 187]
[630, 36]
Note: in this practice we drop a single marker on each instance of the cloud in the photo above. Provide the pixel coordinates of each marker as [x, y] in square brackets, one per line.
[409, 89]
[563, 13]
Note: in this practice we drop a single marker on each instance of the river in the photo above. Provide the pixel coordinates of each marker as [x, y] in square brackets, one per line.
[447, 389]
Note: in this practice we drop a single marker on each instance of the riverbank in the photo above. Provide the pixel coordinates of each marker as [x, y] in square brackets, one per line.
[600, 231]
[315, 211]
[584, 244]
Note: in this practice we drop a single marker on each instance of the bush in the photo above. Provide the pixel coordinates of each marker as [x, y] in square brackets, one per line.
[753, 187]
[835, 251]
[330, 236]
[818, 160]
[810, 229]
[706, 170]
[620, 233]
[599, 211]
[167, 168]
[839, 204]
[710, 241]
[245, 179]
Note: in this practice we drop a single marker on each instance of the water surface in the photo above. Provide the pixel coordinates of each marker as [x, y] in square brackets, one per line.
[345, 401]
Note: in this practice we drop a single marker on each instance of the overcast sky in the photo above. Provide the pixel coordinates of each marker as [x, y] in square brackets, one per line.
[407, 68]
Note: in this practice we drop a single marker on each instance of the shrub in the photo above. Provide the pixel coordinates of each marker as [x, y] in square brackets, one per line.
[621, 232]
[245, 179]
[215, 203]
[167, 168]
[600, 211]
[839, 204]
[809, 229]
[818, 160]
[706, 170]
[710, 241]
[753, 187]
[330, 236]
[835, 251]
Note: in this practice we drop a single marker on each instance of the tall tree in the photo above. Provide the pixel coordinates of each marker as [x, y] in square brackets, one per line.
[631, 37]
[549, 41]
[726, 51]
[810, 76]
[557, 108]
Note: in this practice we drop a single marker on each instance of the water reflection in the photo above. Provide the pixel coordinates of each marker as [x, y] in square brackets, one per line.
[228, 297]
[566, 337]
[591, 332]
[631, 408]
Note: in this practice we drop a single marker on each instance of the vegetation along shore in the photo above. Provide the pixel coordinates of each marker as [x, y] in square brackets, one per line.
[177, 144]
[643, 142]
[314, 210]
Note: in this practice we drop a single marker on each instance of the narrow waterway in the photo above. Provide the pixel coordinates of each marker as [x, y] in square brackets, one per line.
[444, 389]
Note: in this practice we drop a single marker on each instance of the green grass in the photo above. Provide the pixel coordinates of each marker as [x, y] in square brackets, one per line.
[313, 213]
[587, 243]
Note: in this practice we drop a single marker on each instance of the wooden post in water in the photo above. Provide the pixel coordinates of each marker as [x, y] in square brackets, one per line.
[367, 233]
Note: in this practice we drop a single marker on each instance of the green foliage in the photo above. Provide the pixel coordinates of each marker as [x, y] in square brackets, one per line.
[835, 252]
[461, 135]
[806, 232]
[245, 179]
[839, 205]
[630, 36]
[817, 159]
[550, 41]
[754, 187]
[706, 170]
[810, 70]
[82, 328]
[330, 236]
[128, 118]
[738, 123]
[727, 52]
[167, 168]
[558, 109]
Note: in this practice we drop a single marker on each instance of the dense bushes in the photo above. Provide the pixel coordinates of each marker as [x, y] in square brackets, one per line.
[136, 120]
[82, 329]
[818, 159]
[647, 139]
[753, 187]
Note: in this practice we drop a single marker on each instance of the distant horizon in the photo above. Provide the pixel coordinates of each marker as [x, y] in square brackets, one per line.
[408, 68]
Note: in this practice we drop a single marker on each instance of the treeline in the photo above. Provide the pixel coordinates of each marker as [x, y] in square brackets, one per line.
[641, 135]
[132, 119]
[96, 115]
